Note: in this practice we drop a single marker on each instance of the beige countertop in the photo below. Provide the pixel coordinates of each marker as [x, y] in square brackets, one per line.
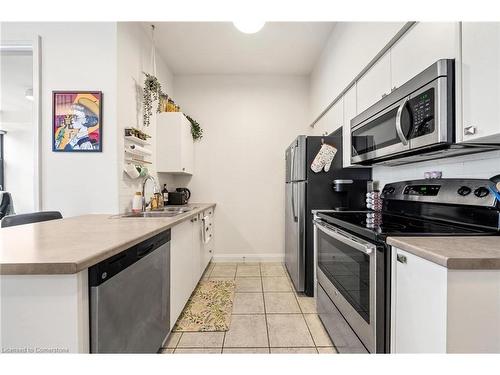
[460, 253]
[67, 246]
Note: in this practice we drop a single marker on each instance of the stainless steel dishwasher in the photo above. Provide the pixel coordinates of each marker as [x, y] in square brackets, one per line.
[130, 299]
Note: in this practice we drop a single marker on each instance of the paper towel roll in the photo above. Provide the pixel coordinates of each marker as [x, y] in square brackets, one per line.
[140, 149]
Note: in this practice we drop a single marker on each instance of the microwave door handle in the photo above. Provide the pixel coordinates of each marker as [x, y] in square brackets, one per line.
[399, 128]
[364, 247]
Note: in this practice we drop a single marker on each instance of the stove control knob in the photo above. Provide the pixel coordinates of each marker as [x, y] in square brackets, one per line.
[464, 190]
[481, 192]
[389, 190]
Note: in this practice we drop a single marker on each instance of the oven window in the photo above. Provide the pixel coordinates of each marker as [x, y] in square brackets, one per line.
[379, 133]
[349, 271]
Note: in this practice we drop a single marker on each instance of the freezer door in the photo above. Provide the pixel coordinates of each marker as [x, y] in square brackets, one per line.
[295, 157]
[295, 233]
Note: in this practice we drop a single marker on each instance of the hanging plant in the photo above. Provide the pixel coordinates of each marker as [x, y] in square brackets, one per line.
[196, 130]
[152, 92]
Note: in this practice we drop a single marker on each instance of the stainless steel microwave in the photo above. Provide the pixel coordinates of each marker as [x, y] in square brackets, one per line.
[415, 122]
[419, 114]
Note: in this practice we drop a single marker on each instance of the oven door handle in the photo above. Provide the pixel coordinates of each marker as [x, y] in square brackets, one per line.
[399, 127]
[364, 247]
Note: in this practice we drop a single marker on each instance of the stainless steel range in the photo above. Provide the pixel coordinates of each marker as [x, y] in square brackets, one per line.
[353, 259]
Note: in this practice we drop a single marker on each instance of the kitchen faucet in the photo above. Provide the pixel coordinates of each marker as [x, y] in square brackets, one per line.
[156, 189]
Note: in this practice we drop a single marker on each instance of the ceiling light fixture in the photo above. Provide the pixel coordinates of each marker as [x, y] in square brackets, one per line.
[249, 26]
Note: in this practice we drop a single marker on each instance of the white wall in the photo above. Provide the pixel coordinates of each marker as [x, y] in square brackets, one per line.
[76, 56]
[134, 58]
[16, 117]
[349, 49]
[484, 165]
[248, 122]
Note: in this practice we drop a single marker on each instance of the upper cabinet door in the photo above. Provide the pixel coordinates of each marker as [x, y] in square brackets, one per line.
[481, 82]
[320, 126]
[337, 117]
[349, 113]
[174, 144]
[374, 84]
[331, 121]
[421, 46]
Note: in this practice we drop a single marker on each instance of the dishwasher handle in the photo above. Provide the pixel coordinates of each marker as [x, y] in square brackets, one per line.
[142, 252]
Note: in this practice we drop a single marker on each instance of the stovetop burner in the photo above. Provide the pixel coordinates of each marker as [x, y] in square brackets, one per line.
[383, 224]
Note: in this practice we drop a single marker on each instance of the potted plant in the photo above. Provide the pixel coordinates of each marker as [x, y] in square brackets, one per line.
[152, 92]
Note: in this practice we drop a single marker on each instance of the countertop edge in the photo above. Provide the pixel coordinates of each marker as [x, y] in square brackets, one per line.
[451, 263]
[70, 268]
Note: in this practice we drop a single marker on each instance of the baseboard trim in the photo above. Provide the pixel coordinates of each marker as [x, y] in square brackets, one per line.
[221, 258]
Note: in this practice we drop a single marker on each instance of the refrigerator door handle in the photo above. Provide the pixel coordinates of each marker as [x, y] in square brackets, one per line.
[293, 202]
[292, 165]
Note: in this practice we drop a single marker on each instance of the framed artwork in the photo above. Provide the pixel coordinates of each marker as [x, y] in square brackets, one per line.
[77, 121]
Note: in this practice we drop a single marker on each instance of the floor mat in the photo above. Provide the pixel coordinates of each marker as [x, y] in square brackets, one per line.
[209, 309]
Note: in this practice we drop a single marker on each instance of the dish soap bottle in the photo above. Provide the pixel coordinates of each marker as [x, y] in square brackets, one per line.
[164, 192]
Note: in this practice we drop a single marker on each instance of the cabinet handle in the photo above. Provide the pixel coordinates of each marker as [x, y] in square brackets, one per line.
[195, 219]
[401, 258]
[469, 130]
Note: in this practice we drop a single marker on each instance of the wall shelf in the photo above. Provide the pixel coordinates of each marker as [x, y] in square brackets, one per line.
[136, 140]
[136, 161]
[136, 152]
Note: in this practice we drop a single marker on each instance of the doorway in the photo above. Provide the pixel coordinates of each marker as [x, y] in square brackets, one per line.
[19, 126]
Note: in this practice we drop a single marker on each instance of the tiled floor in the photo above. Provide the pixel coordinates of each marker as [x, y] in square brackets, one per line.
[268, 316]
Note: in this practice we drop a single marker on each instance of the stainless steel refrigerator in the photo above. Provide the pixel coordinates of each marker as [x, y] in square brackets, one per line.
[306, 191]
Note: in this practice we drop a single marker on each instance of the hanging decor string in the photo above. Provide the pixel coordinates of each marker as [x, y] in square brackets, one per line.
[153, 50]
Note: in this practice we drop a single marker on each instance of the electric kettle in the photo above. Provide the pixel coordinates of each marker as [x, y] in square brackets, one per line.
[179, 197]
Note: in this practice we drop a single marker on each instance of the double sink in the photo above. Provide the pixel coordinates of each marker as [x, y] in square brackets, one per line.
[166, 212]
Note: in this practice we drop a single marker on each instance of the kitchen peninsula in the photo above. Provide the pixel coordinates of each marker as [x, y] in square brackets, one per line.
[44, 276]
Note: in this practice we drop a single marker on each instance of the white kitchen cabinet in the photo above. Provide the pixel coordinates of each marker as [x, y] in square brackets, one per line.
[349, 113]
[174, 144]
[206, 248]
[203, 251]
[480, 82]
[331, 121]
[320, 126]
[189, 257]
[374, 84]
[198, 249]
[419, 305]
[337, 116]
[421, 46]
[439, 310]
[182, 263]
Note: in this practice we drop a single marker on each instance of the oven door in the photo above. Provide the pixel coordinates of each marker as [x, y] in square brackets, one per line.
[347, 272]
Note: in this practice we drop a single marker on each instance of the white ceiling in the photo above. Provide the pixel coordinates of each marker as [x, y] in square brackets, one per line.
[219, 48]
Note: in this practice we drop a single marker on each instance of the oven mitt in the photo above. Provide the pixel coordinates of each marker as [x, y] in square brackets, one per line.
[324, 158]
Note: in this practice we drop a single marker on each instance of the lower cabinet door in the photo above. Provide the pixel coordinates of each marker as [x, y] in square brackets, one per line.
[419, 300]
[198, 248]
[181, 268]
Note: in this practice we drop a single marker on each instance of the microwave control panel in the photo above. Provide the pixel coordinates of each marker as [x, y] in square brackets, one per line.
[422, 112]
